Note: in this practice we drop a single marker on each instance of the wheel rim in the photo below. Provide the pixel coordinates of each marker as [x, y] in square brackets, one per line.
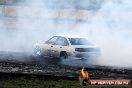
[38, 53]
[64, 56]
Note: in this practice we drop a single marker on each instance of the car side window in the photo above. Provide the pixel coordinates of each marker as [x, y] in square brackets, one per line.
[62, 41]
[52, 40]
[59, 41]
[66, 42]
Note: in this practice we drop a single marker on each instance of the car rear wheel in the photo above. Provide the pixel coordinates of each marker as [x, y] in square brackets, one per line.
[63, 55]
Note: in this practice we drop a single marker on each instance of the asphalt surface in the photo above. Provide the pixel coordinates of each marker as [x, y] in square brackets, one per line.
[23, 63]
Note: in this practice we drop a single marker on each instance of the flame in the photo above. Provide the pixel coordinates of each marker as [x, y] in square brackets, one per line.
[83, 73]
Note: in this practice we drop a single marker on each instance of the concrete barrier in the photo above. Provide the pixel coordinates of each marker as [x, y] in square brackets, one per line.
[1, 10]
[15, 16]
[23, 15]
[40, 12]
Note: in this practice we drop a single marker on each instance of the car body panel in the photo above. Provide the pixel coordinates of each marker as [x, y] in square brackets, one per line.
[54, 47]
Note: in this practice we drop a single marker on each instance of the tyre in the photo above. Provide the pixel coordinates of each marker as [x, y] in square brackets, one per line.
[63, 55]
[37, 51]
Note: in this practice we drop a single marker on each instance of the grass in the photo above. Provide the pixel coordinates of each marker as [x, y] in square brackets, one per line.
[36, 82]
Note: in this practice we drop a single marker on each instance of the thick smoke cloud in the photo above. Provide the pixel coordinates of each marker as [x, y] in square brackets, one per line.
[106, 23]
[112, 31]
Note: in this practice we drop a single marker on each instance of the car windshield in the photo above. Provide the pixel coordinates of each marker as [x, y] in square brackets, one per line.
[79, 41]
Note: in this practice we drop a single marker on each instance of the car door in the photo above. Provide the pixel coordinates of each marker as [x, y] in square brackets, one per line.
[50, 45]
[54, 48]
[61, 45]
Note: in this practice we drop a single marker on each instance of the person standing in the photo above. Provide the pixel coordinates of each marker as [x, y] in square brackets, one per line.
[84, 77]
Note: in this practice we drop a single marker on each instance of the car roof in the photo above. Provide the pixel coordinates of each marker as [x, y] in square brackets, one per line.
[69, 36]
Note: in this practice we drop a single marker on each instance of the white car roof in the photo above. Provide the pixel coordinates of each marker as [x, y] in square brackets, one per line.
[70, 36]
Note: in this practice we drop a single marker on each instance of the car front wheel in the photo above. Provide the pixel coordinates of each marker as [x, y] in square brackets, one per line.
[37, 51]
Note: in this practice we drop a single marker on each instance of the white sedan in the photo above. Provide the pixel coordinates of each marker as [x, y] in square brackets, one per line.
[62, 46]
